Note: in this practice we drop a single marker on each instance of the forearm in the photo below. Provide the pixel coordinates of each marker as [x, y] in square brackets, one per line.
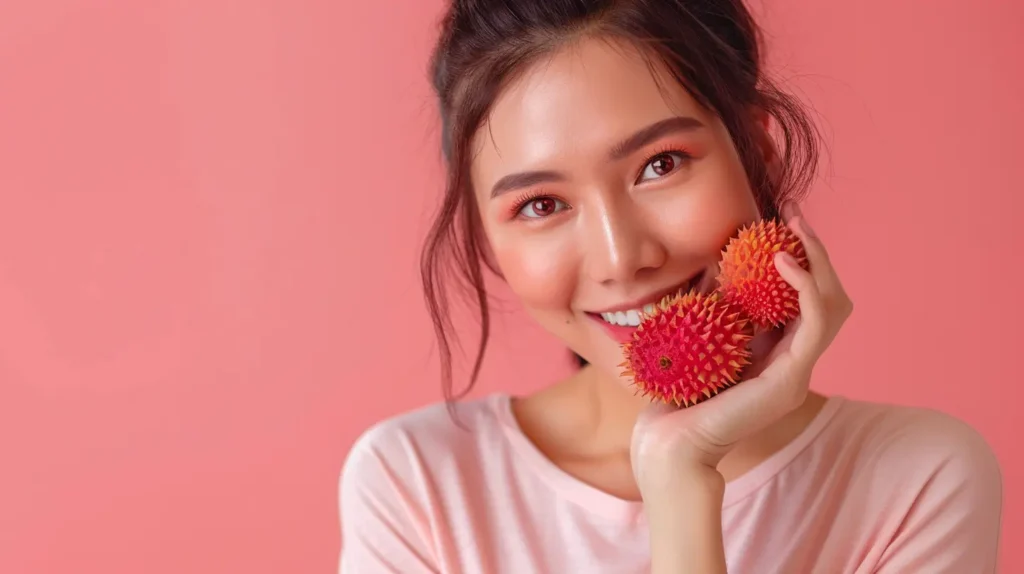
[686, 524]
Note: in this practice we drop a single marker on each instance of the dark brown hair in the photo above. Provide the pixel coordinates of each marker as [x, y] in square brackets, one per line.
[711, 47]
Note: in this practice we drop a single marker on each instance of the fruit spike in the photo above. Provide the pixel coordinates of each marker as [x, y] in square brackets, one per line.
[749, 278]
[687, 350]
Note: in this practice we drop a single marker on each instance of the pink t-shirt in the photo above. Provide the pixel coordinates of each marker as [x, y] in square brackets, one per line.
[865, 488]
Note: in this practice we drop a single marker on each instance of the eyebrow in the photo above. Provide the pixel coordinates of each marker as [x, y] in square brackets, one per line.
[652, 133]
[622, 149]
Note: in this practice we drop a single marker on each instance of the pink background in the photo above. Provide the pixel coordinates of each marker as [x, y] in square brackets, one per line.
[210, 215]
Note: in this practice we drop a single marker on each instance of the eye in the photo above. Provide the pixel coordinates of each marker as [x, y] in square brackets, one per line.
[662, 165]
[540, 207]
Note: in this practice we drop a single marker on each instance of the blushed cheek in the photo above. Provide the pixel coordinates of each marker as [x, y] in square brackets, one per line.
[724, 214]
[701, 219]
[543, 277]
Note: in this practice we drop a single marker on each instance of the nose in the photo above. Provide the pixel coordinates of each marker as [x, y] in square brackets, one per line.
[621, 245]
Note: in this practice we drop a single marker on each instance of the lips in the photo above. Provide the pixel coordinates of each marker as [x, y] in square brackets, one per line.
[621, 322]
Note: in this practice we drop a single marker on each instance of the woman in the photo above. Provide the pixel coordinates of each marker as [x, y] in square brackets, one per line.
[600, 155]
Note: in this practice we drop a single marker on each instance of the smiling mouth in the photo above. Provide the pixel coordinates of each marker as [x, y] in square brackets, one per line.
[633, 317]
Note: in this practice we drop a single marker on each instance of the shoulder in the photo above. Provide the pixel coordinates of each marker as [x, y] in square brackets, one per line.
[431, 438]
[922, 457]
[917, 437]
[401, 478]
[931, 482]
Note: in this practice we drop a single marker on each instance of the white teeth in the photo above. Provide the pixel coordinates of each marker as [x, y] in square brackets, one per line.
[629, 318]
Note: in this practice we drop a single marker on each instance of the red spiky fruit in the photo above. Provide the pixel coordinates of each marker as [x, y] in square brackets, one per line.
[687, 350]
[749, 278]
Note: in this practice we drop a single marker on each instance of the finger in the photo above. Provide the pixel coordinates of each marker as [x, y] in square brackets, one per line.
[746, 408]
[817, 255]
[813, 320]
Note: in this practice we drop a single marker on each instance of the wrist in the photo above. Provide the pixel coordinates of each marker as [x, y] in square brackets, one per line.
[685, 521]
[681, 475]
[695, 487]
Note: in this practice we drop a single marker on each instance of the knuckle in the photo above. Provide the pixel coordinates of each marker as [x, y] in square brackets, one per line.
[842, 307]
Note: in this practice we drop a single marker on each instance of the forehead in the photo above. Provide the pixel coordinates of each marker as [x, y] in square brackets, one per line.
[573, 105]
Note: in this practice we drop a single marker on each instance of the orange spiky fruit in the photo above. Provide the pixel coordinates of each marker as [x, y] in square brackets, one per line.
[749, 278]
[691, 347]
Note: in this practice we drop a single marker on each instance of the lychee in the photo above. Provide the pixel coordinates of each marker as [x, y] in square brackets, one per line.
[687, 350]
[749, 278]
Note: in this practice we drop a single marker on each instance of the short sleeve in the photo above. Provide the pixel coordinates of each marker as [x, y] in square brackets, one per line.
[953, 526]
[383, 527]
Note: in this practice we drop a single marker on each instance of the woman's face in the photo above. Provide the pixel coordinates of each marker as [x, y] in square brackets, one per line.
[602, 190]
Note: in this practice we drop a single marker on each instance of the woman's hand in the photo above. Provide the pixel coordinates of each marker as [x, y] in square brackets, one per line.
[668, 443]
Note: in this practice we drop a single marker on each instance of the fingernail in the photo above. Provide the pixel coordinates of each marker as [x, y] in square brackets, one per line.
[787, 259]
[792, 209]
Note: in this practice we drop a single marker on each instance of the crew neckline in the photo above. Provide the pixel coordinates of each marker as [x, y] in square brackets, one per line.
[598, 501]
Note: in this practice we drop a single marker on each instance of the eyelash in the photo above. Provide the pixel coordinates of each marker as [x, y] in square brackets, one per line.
[525, 198]
[660, 151]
